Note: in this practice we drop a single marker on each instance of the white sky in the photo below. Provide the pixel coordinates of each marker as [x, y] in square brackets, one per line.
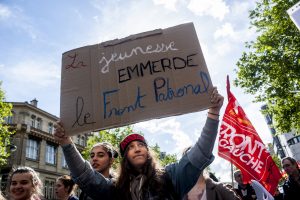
[34, 34]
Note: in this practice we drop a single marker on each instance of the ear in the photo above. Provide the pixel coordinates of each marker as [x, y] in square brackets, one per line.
[67, 189]
[111, 161]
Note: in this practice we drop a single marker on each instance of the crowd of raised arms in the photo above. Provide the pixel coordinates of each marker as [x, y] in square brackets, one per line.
[140, 176]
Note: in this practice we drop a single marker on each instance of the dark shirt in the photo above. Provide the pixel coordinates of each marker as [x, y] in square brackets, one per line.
[291, 189]
[245, 193]
[278, 197]
[72, 197]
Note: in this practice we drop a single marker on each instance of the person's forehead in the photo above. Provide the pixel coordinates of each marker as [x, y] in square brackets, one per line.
[135, 142]
[237, 174]
[59, 182]
[21, 176]
[286, 161]
[98, 149]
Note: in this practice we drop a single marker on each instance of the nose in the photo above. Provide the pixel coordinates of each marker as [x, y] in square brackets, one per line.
[137, 148]
[17, 185]
[94, 158]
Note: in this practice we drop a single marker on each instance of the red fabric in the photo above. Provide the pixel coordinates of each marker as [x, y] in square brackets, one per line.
[132, 137]
[240, 144]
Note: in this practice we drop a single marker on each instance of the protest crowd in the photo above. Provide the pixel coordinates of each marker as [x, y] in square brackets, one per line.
[141, 177]
[138, 174]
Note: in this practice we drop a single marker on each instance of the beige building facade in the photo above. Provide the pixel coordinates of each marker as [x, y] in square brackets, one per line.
[36, 146]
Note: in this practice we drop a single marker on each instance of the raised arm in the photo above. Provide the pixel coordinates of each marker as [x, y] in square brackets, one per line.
[185, 173]
[88, 179]
[75, 161]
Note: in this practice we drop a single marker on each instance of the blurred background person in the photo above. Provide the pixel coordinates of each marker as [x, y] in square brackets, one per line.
[291, 186]
[245, 191]
[208, 188]
[64, 188]
[278, 195]
[24, 184]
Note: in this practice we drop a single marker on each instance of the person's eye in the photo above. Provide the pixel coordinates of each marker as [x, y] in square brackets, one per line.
[24, 182]
[141, 144]
[100, 155]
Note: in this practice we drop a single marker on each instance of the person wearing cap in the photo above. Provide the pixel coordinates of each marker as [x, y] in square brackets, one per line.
[102, 156]
[139, 176]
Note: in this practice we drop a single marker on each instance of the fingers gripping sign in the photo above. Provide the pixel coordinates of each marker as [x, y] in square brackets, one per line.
[217, 100]
[60, 134]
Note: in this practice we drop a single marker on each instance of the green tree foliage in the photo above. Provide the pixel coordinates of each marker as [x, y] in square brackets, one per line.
[164, 158]
[277, 161]
[270, 68]
[115, 136]
[5, 111]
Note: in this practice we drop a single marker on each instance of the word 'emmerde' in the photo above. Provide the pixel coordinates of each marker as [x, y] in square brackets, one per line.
[135, 51]
[157, 66]
[162, 91]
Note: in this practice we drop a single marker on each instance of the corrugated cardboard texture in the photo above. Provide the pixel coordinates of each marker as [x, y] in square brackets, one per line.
[149, 75]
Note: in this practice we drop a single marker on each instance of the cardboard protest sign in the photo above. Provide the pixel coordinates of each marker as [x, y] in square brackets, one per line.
[294, 13]
[148, 75]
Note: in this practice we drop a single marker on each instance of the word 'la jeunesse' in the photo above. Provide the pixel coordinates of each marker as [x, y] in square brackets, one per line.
[135, 51]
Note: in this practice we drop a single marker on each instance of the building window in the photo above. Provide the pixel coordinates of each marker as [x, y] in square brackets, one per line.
[8, 119]
[49, 189]
[50, 128]
[32, 149]
[63, 162]
[33, 119]
[78, 139]
[293, 140]
[50, 154]
[82, 142]
[39, 123]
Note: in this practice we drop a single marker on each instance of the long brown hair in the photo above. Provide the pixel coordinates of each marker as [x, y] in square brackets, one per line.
[154, 176]
[67, 181]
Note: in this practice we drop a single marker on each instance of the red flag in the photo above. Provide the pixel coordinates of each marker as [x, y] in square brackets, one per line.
[240, 144]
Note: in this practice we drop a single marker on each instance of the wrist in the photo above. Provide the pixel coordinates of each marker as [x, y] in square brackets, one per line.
[215, 111]
[212, 113]
[213, 116]
[66, 141]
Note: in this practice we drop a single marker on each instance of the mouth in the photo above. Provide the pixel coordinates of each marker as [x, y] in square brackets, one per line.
[138, 156]
[18, 192]
[95, 165]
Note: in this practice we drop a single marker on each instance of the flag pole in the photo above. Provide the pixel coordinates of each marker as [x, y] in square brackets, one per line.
[231, 174]
[228, 91]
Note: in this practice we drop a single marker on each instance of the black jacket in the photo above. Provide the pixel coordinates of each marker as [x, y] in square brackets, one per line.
[291, 189]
